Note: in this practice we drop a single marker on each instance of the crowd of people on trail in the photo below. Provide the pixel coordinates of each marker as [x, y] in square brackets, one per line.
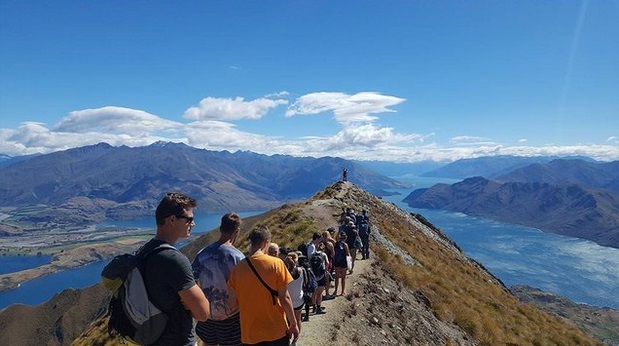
[258, 298]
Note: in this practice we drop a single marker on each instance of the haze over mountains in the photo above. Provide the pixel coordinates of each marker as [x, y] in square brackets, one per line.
[94, 182]
[576, 196]
[566, 196]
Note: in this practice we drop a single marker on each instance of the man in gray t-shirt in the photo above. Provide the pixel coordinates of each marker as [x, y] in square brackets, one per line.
[168, 276]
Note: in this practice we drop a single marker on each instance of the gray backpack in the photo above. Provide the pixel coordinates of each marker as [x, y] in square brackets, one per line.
[132, 314]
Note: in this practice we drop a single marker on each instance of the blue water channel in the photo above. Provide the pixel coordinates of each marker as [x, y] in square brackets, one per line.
[39, 290]
[577, 269]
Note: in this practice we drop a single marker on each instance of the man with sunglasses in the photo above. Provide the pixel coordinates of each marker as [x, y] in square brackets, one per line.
[168, 275]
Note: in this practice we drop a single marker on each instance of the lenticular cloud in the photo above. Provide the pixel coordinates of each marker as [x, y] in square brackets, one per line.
[346, 108]
[113, 119]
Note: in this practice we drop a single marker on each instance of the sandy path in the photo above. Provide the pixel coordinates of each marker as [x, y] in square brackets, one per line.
[319, 329]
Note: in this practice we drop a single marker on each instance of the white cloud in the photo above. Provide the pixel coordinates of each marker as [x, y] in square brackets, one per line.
[32, 137]
[346, 108]
[471, 140]
[279, 94]
[363, 140]
[211, 108]
[522, 140]
[219, 135]
[111, 119]
[369, 136]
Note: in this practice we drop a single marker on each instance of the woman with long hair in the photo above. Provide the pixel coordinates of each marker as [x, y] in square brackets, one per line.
[295, 288]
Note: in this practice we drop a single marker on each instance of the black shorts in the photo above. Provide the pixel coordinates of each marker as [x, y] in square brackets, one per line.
[340, 263]
[285, 341]
[224, 332]
[322, 282]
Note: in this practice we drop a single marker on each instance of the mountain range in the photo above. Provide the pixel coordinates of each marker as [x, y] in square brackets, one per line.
[101, 181]
[566, 196]
[490, 166]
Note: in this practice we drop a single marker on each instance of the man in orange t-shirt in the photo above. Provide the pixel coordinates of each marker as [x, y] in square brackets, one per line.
[267, 315]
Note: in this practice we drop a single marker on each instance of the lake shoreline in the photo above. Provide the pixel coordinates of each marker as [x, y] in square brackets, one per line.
[71, 258]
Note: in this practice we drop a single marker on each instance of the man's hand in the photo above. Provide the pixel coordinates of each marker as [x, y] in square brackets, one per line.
[293, 331]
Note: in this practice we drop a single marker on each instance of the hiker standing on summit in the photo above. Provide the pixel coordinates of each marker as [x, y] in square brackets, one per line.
[260, 283]
[168, 276]
[212, 268]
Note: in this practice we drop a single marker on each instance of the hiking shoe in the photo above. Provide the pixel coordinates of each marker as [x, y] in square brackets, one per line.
[328, 297]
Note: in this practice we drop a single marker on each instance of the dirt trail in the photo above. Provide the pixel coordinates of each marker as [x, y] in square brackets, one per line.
[318, 331]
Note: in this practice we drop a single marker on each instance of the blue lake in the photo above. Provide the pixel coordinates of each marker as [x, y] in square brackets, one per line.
[40, 290]
[577, 269]
[11, 264]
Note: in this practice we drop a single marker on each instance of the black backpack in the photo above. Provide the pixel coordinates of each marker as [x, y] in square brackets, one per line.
[340, 252]
[303, 248]
[309, 281]
[132, 314]
[317, 264]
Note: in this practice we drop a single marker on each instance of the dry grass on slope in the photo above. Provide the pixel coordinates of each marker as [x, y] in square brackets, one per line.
[459, 292]
[456, 290]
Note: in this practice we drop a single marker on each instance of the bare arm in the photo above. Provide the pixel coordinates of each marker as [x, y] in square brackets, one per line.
[194, 300]
[284, 298]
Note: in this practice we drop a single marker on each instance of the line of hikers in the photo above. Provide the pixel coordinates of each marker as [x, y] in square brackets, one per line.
[236, 299]
[238, 285]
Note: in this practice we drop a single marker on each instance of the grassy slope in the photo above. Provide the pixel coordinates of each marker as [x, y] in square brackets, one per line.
[457, 289]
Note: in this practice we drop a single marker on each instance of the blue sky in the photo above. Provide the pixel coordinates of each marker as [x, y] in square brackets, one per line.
[376, 80]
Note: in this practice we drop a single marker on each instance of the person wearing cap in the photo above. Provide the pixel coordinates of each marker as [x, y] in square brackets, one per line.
[340, 262]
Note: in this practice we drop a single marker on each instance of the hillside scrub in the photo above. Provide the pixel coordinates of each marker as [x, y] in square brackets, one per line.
[440, 287]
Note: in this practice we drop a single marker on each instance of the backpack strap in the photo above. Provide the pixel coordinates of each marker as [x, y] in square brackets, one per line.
[145, 252]
[273, 292]
[305, 277]
[144, 255]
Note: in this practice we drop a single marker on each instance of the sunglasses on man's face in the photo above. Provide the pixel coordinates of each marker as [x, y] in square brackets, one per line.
[189, 219]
